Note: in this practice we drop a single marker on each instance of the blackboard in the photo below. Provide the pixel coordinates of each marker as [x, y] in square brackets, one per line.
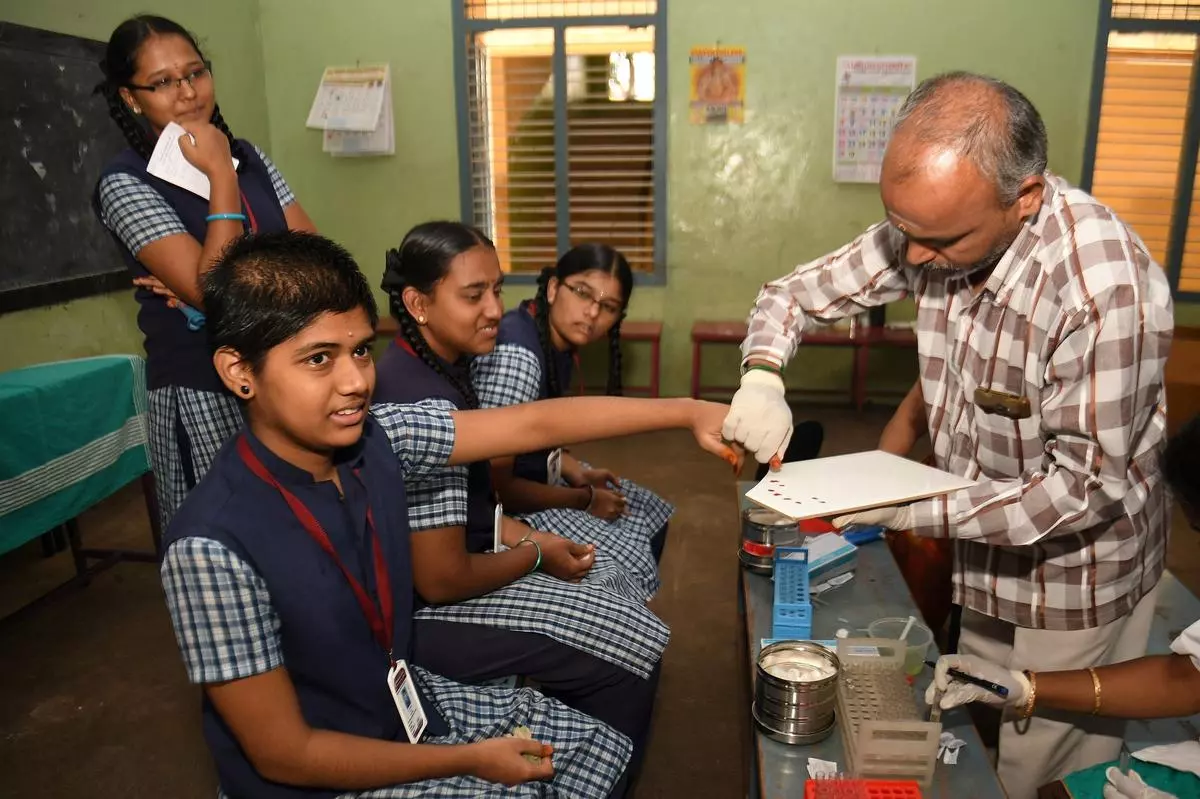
[55, 138]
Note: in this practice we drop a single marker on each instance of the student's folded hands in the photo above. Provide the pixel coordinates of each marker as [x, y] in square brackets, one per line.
[563, 558]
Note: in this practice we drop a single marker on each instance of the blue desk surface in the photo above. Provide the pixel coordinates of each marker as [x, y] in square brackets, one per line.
[877, 590]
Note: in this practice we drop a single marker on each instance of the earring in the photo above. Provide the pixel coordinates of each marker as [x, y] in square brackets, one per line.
[245, 389]
[420, 320]
[137, 111]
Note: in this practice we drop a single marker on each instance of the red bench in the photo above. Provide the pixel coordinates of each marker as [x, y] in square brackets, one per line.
[648, 332]
[860, 341]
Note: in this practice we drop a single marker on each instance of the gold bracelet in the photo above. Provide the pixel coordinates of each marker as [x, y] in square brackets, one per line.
[1096, 688]
[1029, 702]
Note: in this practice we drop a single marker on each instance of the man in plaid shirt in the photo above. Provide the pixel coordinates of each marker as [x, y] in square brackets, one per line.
[1043, 326]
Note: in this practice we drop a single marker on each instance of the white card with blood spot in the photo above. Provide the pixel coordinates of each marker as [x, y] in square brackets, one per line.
[846, 483]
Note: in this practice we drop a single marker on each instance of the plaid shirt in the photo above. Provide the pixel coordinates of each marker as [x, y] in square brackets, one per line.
[1067, 526]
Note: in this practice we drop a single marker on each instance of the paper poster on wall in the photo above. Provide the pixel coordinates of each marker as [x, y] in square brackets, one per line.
[353, 106]
[349, 98]
[718, 85]
[870, 89]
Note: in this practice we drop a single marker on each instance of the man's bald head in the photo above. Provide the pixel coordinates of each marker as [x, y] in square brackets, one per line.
[980, 119]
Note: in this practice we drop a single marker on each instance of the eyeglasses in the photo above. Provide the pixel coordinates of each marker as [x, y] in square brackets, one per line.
[584, 293]
[167, 85]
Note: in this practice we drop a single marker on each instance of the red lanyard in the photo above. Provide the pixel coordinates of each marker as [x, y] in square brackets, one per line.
[380, 619]
[249, 213]
[403, 344]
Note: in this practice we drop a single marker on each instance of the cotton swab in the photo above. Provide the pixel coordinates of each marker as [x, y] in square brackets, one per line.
[908, 627]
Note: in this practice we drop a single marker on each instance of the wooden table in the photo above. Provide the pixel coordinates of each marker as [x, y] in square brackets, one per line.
[877, 590]
[859, 340]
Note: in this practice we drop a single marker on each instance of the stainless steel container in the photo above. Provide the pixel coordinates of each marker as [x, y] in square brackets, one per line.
[762, 530]
[795, 691]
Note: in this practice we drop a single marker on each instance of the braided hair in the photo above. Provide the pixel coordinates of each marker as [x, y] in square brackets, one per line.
[582, 258]
[119, 66]
[422, 259]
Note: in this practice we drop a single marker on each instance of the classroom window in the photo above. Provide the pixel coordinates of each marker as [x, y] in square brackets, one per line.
[1144, 136]
[562, 128]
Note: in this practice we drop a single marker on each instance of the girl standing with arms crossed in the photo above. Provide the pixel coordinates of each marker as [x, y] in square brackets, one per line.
[580, 300]
[548, 608]
[155, 74]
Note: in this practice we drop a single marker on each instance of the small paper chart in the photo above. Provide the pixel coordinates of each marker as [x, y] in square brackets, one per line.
[869, 92]
[846, 483]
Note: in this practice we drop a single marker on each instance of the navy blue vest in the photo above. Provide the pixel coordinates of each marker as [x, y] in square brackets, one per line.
[402, 377]
[518, 328]
[176, 356]
[338, 669]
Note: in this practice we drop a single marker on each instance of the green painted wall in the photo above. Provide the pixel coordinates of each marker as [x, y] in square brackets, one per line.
[745, 202]
[228, 32]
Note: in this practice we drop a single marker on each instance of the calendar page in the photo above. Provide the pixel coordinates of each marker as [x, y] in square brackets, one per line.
[870, 90]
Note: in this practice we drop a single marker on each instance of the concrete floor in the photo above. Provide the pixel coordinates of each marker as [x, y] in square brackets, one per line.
[94, 703]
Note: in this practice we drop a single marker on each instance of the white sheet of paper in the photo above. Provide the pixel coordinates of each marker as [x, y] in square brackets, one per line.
[1181, 757]
[167, 162]
[822, 769]
[845, 483]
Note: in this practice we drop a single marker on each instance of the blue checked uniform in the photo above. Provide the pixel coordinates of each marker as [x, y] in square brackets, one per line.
[514, 372]
[190, 413]
[249, 591]
[594, 644]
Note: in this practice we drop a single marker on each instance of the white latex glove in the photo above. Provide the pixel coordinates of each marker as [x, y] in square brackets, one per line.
[897, 517]
[955, 692]
[1130, 786]
[759, 417]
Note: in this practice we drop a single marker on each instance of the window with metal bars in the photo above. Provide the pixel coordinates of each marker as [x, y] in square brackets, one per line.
[1144, 130]
[562, 120]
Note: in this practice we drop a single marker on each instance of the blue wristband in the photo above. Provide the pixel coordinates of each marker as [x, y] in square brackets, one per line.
[232, 217]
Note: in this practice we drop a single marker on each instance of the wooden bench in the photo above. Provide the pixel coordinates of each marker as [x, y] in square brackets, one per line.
[647, 332]
[860, 341]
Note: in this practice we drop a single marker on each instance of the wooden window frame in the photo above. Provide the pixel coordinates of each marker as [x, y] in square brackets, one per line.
[1190, 149]
[465, 27]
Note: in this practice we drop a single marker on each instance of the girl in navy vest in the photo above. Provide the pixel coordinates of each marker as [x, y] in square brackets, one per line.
[580, 628]
[155, 74]
[580, 300]
[287, 570]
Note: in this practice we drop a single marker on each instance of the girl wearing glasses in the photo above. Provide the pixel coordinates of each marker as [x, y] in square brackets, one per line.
[542, 607]
[581, 299]
[155, 74]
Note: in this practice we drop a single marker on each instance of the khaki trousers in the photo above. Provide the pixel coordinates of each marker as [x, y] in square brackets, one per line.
[1051, 745]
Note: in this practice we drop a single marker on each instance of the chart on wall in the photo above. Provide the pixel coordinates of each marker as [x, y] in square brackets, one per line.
[870, 89]
[718, 85]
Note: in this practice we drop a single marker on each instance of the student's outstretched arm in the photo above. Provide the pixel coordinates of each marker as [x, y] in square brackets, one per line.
[533, 426]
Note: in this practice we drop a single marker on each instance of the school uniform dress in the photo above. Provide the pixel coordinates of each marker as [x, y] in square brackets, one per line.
[594, 644]
[191, 413]
[250, 590]
[514, 372]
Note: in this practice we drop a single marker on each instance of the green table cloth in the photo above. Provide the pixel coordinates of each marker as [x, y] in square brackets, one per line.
[71, 434]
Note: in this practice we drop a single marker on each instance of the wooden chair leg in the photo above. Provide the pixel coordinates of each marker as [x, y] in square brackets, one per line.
[655, 364]
[695, 370]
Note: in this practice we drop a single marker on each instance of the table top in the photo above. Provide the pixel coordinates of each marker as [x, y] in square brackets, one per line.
[877, 590]
[71, 433]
